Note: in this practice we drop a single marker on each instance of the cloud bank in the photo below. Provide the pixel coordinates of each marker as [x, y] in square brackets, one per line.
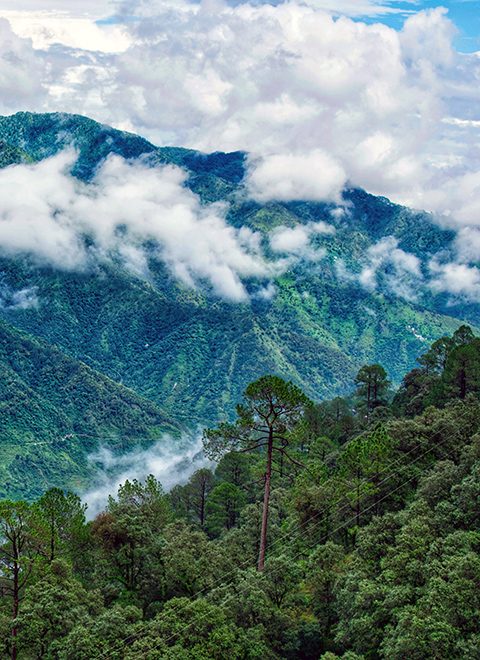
[399, 272]
[460, 280]
[130, 213]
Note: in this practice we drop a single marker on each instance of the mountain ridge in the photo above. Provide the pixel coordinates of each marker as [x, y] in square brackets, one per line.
[192, 353]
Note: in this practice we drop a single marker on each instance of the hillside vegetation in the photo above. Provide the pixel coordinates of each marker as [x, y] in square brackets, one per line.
[55, 411]
[372, 539]
[186, 349]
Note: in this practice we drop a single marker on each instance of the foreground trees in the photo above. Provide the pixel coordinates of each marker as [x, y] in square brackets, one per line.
[270, 411]
[373, 546]
[64, 515]
[22, 541]
[449, 370]
[372, 385]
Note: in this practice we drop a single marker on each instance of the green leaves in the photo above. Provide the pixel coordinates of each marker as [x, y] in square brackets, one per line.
[372, 385]
[450, 371]
[269, 404]
[271, 396]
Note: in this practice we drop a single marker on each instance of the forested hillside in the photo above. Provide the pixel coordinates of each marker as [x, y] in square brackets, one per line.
[370, 548]
[186, 348]
[56, 410]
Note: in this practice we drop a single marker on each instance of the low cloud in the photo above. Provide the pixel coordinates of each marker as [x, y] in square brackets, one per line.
[296, 241]
[266, 293]
[458, 200]
[22, 299]
[399, 271]
[460, 280]
[467, 244]
[307, 176]
[130, 213]
[169, 460]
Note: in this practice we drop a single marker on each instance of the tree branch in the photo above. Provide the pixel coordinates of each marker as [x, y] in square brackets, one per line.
[293, 460]
[242, 451]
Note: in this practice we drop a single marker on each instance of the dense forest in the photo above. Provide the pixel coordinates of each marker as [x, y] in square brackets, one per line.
[348, 528]
[185, 348]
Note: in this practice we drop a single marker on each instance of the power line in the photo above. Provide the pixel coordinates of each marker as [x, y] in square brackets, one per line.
[295, 556]
[302, 525]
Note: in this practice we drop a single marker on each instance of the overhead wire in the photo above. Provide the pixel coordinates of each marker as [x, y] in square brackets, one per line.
[300, 527]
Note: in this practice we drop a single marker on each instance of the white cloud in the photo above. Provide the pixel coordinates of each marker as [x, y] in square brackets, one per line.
[21, 73]
[168, 460]
[400, 271]
[386, 266]
[427, 41]
[316, 101]
[314, 175]
[46, 28]
[458, 200]
[46, 213]
[387, 251]
[296, 241]
[354, 8]
[322, 227]
[458, 279]
[360, 8]
[26, 298]
[467, 244]
[289, 239]
[92, 8]
[266, 292]
[465, 123]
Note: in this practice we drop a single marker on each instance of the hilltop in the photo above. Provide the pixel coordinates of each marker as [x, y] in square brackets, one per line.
[186, 350]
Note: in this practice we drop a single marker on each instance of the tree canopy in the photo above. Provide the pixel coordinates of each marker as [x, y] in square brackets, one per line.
[365, 529]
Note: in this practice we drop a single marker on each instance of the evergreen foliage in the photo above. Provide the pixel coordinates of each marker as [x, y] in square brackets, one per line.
[194, 354]
[373, 545]
[56, 410]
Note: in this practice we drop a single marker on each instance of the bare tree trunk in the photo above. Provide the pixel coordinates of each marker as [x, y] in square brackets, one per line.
[52, 539]
[357, 503]
[266, 503]
[16, 599]
[369, 400]
[202, 505]
[463, 383]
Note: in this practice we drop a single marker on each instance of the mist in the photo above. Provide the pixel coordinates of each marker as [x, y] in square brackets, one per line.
[169, 460]
[46, 214]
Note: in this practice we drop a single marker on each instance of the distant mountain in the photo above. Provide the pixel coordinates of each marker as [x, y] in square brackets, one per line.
[55, 410]
[190, 352]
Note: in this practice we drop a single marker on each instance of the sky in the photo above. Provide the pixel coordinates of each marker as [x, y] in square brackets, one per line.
[464, 13]
[378, 94]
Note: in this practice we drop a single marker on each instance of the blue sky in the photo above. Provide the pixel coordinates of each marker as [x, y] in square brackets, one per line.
[464, 13]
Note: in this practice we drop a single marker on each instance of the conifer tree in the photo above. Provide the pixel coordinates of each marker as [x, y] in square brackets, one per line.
[270, 410]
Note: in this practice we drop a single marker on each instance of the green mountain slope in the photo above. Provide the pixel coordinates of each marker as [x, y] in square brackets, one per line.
[55, 411]
[194, 356]
[188, 351]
